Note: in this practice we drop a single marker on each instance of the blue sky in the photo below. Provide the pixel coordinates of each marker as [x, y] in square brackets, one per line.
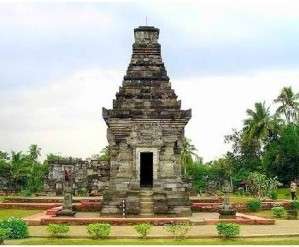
[62, 61]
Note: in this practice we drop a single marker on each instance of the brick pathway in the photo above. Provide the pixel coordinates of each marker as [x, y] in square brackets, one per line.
[282, 227]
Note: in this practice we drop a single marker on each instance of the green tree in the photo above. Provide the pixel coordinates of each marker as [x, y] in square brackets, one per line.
[188, 153]
[198, 172]
[259, 122]
[281, 155]
[288, 104]
[17, 170]
[105, 154]
[34, 152]
[260, 185]
[23, 171]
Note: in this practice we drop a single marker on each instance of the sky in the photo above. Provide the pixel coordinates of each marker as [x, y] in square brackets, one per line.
[62, 61]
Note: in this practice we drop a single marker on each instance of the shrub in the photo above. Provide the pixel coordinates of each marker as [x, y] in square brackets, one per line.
[26, 193]
[178, 231]
[58, 230]
[99, 230]
[254, 205]
[17, 228]
[228, 230]
[4, 234]
[273, 195]
[143, 229]
[295, 204]
[278, 212]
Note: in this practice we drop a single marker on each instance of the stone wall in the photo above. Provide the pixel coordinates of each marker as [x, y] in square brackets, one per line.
[89, 176]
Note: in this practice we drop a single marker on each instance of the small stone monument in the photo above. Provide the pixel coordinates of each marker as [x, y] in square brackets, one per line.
[226, 211]
[67, 209]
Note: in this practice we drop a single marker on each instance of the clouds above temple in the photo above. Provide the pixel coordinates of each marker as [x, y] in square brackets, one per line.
[61, 62]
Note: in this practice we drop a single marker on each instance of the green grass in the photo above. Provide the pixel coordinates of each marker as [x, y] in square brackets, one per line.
[284, 193]
[240, 199]
[5, 213]
[206, 241]
[2, 198]
[268, 214]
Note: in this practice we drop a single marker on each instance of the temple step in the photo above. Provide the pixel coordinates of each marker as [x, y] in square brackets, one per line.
[146, 203]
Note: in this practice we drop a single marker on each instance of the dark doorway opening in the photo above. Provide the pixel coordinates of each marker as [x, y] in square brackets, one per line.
[146, 169]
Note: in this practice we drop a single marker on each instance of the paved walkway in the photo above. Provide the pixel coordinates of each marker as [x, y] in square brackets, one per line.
[282, 227]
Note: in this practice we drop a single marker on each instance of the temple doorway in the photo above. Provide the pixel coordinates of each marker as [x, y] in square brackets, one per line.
[146, 169]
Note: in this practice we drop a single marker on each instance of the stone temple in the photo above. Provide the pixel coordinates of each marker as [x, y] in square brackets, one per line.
[145, 135]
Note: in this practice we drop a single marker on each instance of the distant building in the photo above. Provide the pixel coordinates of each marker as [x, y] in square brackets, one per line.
[89, 176]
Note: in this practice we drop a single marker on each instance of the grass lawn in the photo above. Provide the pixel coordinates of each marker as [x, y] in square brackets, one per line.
[264, 213]
[207, 241]
[239, 199]
[2, 198]
[5, 213]
[267, 214]
[282, 194]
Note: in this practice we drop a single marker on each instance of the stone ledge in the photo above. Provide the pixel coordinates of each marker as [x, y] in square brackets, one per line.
[112, 221]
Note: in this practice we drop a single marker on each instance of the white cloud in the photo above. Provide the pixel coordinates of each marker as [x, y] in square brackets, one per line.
[219, 104]
[52, 18]
[65, 116]
[61, 116]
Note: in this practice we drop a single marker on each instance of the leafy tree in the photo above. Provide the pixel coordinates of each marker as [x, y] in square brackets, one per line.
[199, 174]
[260, 185]
[281, 156]
[288, 104]
[188, 152]
[34, 152]
[221, 170]
[22, 170]
[17, 170]
[105, 154]
[259, 122]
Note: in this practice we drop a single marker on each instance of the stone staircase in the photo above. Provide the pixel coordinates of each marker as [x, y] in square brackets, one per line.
[146, 202]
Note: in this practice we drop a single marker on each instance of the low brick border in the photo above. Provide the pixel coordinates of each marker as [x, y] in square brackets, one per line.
[31, 205]
[21, 199]
[213, 207]
[82, 206]
[49, 217]
[112, 221]
[243, 219]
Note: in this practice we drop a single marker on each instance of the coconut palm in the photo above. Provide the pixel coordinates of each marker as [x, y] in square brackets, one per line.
[289, 105]
[17, 170]
[259, 122]
[188, 151]
[34, 152]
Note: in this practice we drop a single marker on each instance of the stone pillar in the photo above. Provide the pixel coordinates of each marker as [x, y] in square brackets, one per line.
[227, 211]
[67, 209]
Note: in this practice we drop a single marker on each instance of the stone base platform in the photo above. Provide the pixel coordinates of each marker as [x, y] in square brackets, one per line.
[82, 206]
[83, 218]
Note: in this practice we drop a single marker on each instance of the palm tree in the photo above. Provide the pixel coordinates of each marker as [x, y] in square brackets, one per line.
[188, 151]
[259, 122]
[17, 170]
[34, 152]
[289, 105]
